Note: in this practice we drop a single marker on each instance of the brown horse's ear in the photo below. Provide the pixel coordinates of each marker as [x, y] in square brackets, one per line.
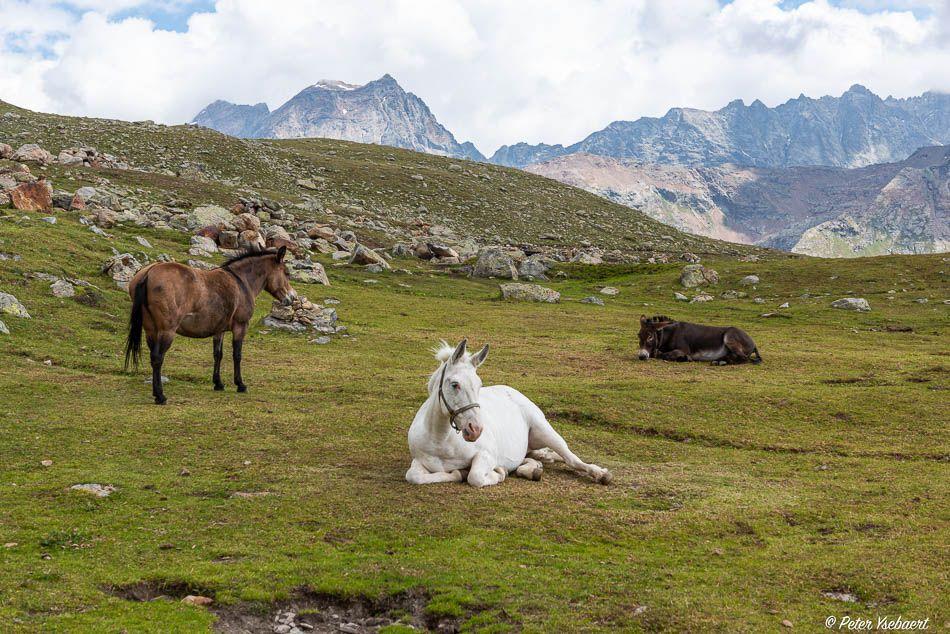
[281, 252]
[643, 319]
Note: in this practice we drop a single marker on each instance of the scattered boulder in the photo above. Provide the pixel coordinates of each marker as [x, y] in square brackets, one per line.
[121, 268]
[97, 490]
[301, 316]
[213, 215]
[692, 258]
[586, 257]
[197, 600]
[680, 297]
[5, 151]
[62, 288]
[701, 298]
[493, 262]
[35, 196]
[749, 280]
[10, 305]
[534, 266]
[610, 291]
[202, 246]
[694, 275]
[593, 300]
[529, 293]
[32, 153]
[365, 255]
[852, 303]
[308, 272]
[442, 250]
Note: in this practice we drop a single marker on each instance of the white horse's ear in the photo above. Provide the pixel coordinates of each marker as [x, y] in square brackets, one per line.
[479, 357]
[459, 351]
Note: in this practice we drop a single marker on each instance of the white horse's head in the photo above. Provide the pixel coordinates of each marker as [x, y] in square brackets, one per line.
[457, 384]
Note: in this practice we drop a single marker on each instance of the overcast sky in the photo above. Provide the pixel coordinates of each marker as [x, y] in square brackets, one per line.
[492, 71]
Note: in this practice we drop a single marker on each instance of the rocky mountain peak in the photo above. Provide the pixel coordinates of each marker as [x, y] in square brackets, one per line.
[378, 112]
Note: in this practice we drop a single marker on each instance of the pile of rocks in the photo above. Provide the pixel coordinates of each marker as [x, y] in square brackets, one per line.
[91, 157]
[511, 264]
[303, 316]
[121, 268]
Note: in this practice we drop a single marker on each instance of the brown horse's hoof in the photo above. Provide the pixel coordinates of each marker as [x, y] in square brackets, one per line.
[160, 400]
[242, 388]
[219, 388]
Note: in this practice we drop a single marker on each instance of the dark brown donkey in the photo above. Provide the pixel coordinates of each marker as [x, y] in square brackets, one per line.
[663, 338]
[170, 298]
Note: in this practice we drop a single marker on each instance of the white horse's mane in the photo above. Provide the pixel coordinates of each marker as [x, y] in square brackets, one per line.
[443, 351]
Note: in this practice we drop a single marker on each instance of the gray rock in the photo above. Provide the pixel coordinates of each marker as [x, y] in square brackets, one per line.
[142, 241]
[529, 293]
[121, 268]
[62, 288]
[97, 490]
[51, 220]
[494, 262]
[701, 298]
[680, 297]
[10, 305]
[534, 266]
[749, 280]
[852, 303]
[308, 272]
[202, 245]
[3, 329]
[32, 153]
[593, 300]
[209, 215]
[610, 291]
[365, 255]
[694, 275]
[321, 340]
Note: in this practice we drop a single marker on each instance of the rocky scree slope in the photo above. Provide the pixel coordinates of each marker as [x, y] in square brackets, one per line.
[379, 112]
[901, 207]
[360, 203]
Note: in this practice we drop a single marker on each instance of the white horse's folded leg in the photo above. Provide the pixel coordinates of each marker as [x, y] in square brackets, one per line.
[543, 435]
[530, 469]
[484, 472]
[418, 474]
[545, 455]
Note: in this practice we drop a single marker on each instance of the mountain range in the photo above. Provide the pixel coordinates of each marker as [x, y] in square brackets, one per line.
[379, 112]
[900, 207]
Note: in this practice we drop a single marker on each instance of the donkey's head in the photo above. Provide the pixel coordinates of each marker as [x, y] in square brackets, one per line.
[651, 334]
[458, 385]
[277, 281]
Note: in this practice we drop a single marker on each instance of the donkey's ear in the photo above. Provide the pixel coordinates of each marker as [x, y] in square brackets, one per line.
[479, 357]
[643, 319]
[459, 351]
[281, 252]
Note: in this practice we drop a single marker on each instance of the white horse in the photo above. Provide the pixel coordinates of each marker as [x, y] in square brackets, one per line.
[486, 433]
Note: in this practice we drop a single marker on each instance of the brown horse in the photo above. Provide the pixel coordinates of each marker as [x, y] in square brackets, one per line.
[170, 298]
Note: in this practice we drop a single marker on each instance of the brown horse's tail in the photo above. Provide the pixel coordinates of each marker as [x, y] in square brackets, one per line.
[133, 343]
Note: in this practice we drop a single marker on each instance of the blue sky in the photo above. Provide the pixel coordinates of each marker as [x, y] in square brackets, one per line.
[492, 71]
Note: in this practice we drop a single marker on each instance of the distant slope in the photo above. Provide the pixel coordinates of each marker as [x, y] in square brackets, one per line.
[379, 112]
[385, 194]
[853, 130]
[901, 207]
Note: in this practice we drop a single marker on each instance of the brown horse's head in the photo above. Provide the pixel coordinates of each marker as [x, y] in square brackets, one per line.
[650, 334]
[277, 281]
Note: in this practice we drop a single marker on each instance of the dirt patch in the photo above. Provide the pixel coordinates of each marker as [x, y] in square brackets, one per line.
[310, 611]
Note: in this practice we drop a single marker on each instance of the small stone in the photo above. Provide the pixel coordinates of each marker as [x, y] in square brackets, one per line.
[197, 600]
[785, 305]
[97, 490]
[749, 280]
[529, 293]
[349, 628]
[142, 241]
[184, 472]
[697, 275]
[3, 329]
[593, 300]
[62, 288]
[701, 298]
[786, 623]
[10, 545]
[852, 303]
[46, 463]
[50, 220]
[680, 297]
[321, 340]
[10, 305]
[610, 291]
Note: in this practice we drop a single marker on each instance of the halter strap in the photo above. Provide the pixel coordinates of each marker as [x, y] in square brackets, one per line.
[453, 413]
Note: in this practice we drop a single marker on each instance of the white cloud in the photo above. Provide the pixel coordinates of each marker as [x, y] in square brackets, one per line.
[492, 71]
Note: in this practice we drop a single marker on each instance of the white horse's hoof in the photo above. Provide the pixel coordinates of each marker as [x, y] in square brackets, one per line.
[458, 475]
[502, 473]
[536, 474]
[605, 477]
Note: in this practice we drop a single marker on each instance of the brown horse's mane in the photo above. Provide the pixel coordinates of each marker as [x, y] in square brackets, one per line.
[658, 319]
[247, 254]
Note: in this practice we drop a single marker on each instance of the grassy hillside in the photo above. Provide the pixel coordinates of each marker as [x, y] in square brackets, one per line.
[741, 494]
[397, 188]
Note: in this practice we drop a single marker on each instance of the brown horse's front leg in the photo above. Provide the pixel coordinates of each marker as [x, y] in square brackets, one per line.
[237, 344]
[157, 349]
[218, 355]
[673, 355]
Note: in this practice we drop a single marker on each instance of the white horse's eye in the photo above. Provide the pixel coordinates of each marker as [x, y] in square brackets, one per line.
[455, 385]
